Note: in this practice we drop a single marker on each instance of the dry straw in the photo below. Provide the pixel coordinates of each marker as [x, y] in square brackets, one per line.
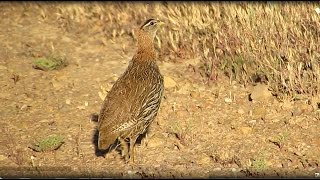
[273, 42]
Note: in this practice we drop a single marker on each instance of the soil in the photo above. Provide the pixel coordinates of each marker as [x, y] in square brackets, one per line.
[201, 130]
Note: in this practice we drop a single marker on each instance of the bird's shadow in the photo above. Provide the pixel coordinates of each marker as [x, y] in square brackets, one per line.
[99, 152]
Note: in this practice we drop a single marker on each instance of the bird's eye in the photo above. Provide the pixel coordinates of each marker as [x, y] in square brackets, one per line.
[151, 23]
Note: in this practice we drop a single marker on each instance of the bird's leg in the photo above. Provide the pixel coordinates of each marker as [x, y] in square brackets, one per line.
[132, 142]
[124, 148]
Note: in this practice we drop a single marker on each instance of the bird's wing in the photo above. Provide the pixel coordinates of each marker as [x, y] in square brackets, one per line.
[124, 102]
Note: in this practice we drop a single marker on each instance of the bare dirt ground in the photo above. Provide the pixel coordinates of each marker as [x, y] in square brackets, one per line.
[201, 131]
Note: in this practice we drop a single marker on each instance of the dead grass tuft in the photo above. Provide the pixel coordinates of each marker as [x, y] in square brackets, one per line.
[271, 42]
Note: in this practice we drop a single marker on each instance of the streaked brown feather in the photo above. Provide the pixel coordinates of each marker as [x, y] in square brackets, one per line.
[124, 102]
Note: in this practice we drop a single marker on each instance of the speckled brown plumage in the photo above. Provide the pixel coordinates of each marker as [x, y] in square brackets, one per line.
[134, 100]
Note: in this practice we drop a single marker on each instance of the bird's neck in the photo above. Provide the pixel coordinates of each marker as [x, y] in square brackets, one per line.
[146, 50]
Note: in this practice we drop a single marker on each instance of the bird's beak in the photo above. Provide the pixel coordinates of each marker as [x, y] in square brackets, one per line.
[161, 23]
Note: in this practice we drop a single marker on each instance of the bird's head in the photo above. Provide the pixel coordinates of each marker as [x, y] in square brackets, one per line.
[151, 26]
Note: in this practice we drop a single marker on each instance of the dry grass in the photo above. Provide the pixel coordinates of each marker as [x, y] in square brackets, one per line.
[275, 43]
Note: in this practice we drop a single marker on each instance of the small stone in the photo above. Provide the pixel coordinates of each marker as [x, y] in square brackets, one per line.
[3, 67]
[131, 172]
[219, 51]
[68, 101]
[260, 93]
[86, 103]
[2, 157]
[240, 111]
[227, 100]
[245, 130]
[204, 159]
[115, 77]
[252, 122]
[311, 168]
[195, 94]
[269, 163]
[102, 95]
[23, 107]
[169, 82]
[234, 170]
[81, 107]
[275, 120]
[217, 169]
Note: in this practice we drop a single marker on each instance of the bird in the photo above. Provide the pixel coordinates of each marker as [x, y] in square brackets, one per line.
[134, 99]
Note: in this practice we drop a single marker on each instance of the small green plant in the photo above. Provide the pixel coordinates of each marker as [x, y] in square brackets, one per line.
[259, 164]
[49, 143]
[234, 68]
[49, 63]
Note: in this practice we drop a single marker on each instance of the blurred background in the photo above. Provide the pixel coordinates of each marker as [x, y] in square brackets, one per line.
[251, 42]
[241, 78]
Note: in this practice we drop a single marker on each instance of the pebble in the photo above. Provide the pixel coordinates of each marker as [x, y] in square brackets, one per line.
[3, 67]
[204, 159]
[275, 120]
[252, 122]
[169, 82]
[219, 51]
[23, 107]
[68, 101]
[240, 111]
[102, 95]
[2, 157]
[81, 107]
[234, 170]
[260, 93]
[245, 130]
[311, 169]
[227, 100]
[216, 169]
[195, 94]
